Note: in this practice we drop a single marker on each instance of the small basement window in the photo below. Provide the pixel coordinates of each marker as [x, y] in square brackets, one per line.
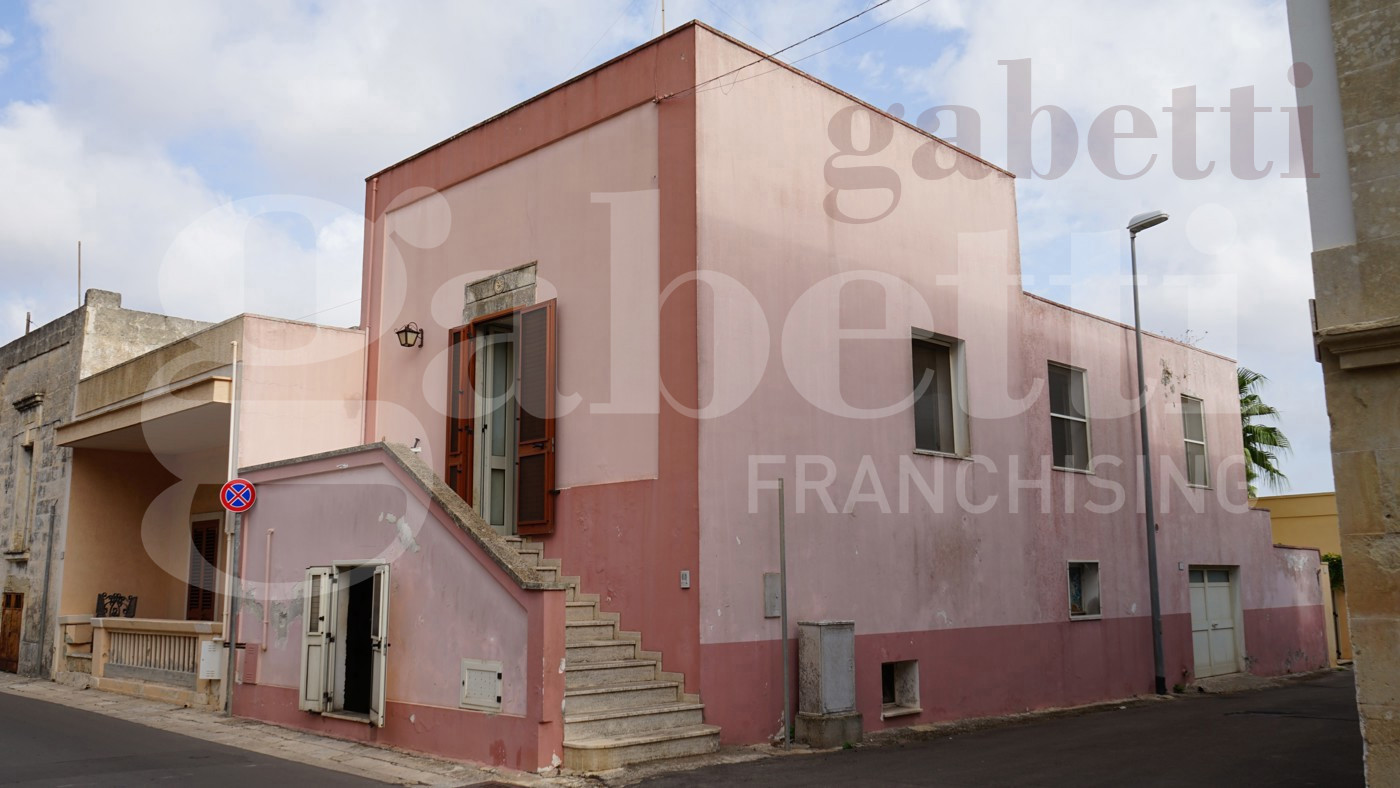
[1084, 589]
[899, 688]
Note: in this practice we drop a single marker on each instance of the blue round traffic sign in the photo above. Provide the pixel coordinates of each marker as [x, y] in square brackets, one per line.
[238, 495]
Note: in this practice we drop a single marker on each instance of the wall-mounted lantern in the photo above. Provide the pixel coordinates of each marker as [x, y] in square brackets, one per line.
[410, 335]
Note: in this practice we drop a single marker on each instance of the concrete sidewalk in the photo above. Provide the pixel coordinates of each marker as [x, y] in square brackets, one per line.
[375, 763]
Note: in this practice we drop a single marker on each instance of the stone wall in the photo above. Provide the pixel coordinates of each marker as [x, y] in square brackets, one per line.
[113, 335]
[1358, 332]
[39, 376]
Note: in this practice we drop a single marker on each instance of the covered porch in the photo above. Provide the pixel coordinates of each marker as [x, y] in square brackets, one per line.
[144, 581]
[143, 584]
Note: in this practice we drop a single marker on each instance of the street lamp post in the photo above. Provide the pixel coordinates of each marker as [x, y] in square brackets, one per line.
[1136, 225]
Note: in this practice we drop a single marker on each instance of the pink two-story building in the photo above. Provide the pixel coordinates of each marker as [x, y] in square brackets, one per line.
[647, 295]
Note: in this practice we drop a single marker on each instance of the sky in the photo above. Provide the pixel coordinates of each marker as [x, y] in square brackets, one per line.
[211, 155]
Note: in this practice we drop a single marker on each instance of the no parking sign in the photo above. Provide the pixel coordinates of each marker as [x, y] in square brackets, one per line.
[238, 495]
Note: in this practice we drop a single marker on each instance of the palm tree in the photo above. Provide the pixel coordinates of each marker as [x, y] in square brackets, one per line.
[1263, 444]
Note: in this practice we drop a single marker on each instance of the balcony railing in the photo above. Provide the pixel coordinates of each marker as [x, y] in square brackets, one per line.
[152, 650]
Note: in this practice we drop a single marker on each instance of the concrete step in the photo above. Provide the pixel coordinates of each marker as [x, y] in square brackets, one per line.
[615, 697]
[585, 631]
[600, 674]
[615, 723]
[548, 573]
[600, 651]
[610, 752]
[580, 611]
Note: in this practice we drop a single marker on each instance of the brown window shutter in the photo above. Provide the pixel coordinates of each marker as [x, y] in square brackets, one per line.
[204, 558]
[460, 403]
[535, 387]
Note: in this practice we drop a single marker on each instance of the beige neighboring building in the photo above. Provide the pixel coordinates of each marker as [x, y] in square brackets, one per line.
[39, 375]
[147, 548]
[1310, 520]
[1354, 206]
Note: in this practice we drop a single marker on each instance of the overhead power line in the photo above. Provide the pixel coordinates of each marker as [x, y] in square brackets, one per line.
[625, 11]
[329, 308]
[736, 21]
[694, 88]
[870, 29]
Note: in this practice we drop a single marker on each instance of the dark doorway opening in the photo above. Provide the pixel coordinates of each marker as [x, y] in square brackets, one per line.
[11, 619]
[358, 647]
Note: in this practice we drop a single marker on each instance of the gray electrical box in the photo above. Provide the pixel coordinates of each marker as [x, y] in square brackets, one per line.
[772, 595]
[826, 683]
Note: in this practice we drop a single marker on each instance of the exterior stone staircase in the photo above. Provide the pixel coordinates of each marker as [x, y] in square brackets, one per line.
[620, 707]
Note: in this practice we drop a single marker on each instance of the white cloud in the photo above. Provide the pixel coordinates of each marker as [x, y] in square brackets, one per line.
[145, 222]
[6, 39]
[1235, 256]
[153, 108]
[160, 114]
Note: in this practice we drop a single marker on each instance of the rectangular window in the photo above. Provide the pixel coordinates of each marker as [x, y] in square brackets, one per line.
[939, 422]
[22, 505]
[204, 561]
[1069, 418]
[1193, 420]
[1084, 589]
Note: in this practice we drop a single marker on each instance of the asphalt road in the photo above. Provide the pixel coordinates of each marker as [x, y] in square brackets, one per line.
[1298, 735]
[48, 744]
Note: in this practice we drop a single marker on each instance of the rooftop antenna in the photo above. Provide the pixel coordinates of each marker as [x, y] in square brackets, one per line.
[27, 323]
[80, 273]
[663, 17]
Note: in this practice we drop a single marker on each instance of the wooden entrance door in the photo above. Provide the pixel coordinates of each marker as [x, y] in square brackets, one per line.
[11, 619]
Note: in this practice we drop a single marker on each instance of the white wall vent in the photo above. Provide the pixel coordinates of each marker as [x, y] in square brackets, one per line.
[481, 685]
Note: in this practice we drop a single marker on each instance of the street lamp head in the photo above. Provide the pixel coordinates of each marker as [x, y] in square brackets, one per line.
[1145, 220]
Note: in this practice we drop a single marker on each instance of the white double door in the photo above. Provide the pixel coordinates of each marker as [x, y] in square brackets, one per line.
[1215, 633]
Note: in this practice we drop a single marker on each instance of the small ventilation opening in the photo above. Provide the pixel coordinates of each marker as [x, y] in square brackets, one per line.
[899, 688]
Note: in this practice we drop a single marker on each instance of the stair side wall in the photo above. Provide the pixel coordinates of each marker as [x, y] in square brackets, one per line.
[449, 600]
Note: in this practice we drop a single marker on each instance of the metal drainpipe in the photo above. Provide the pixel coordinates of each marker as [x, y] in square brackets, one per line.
[36, 457]
[44, 610]
[231, 638]
[267, 587]
[230, 593]
[782, 570]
